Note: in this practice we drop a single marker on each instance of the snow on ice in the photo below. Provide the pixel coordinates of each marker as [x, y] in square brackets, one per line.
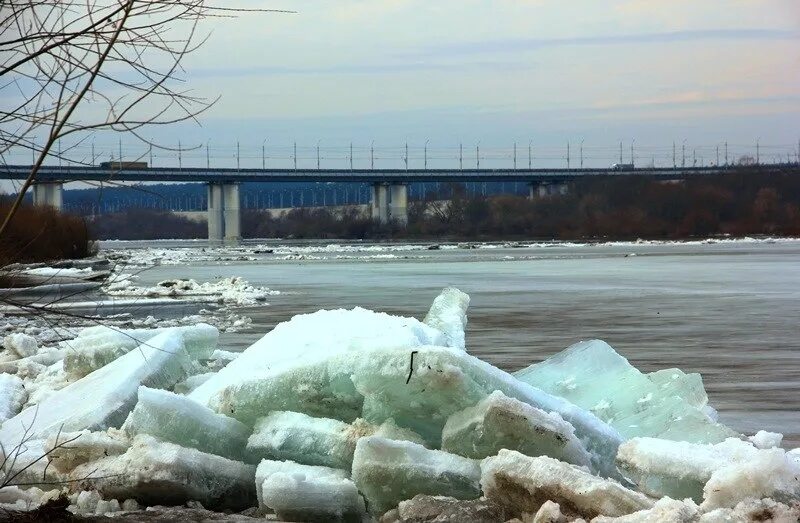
[355, 415]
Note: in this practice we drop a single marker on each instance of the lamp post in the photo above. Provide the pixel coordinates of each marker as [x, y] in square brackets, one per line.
[683, 154]
[515, 156]
[426, 154]
[581, 154]
[530, 154]
[318, 163]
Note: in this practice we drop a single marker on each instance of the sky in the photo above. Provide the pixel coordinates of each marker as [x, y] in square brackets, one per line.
[495, 72]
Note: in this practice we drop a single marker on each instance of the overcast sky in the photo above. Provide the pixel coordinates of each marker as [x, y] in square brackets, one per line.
[499, 71]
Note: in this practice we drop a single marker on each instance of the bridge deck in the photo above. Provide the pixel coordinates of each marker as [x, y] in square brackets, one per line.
[170, 174]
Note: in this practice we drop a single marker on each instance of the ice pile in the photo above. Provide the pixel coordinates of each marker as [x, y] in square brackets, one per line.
[354, 415]
[231, 291]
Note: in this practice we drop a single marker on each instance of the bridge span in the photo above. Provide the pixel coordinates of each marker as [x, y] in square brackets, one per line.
[389, 186]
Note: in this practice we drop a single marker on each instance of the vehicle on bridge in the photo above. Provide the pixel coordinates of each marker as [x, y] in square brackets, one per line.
[123, 165]
[623, 167]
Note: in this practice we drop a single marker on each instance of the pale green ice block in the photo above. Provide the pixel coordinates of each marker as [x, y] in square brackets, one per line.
[177, 419]
[670, 404]
[388, 472]
[306, 440]
[499, 422]
[448, 314]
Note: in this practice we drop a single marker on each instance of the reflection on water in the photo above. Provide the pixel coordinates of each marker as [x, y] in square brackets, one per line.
[728, 311]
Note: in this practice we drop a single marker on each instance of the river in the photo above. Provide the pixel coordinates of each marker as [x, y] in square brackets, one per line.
[727, 310]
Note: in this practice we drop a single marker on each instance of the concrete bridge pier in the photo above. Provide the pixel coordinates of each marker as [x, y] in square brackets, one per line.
[224, 212]
[232, 214]
[380, 203]
[49, 194]
[398, 209]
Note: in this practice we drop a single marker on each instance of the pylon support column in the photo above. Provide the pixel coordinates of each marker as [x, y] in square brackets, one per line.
[232, 215]
[224, 212]
[398, 209]
[380, 203]
[49, 194]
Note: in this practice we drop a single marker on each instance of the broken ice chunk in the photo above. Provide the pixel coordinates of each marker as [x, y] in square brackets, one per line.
[499, 422]
[770, 474]
[12, 396]
[423, 508]
[178, 419]
[155, 472]
[448, 314]
[754, 510]
[105, 397]
[308, 493]
[310, 338]
[67, 450]
[388, 472]
[724, 474]
[549, 512]
[766, 440]
[22, 345]
[665, 510]
[297, 437]
[300, 438]
[522, 484]
[95, 347]
[593, 376]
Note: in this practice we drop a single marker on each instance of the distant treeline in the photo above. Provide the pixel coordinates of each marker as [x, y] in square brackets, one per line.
[618, 207]
[145, 224]
[42, 234]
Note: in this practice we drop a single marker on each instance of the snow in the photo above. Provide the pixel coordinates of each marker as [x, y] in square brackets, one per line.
[388, 472]
[178, 419]
[521, 484]
[308, 493]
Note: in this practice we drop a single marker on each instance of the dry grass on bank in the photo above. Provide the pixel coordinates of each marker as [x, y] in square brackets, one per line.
[42, 234]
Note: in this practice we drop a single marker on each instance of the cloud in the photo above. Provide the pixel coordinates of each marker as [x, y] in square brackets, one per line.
[528, 44]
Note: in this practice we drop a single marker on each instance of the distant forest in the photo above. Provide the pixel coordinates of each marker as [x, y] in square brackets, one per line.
[740, 203]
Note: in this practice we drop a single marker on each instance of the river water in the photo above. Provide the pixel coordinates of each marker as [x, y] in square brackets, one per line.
[726, 310]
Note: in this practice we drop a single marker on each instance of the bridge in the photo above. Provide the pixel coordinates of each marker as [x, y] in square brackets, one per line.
[389, 200]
